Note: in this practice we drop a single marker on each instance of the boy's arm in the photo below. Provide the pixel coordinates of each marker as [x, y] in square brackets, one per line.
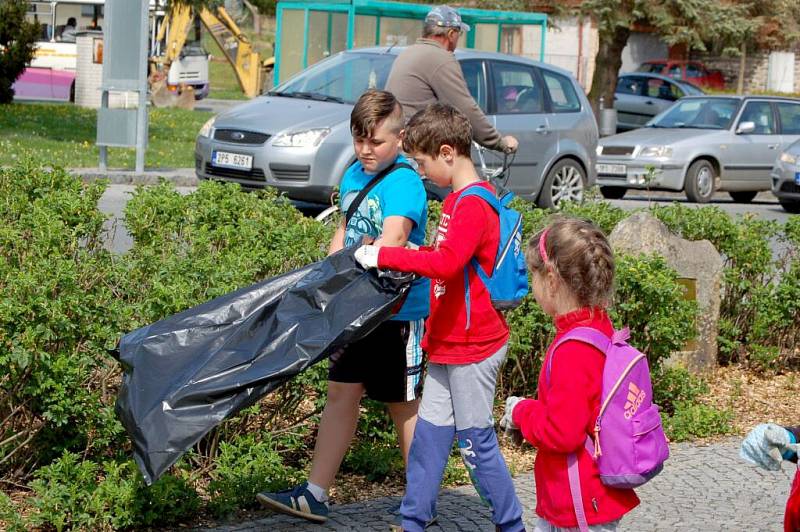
[337, 242]
[396, 230]
[463, 237]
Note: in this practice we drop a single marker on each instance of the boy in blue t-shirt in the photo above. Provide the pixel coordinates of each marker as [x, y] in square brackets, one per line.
[388, 363]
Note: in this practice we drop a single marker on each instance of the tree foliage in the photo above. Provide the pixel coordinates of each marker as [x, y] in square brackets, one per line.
[17, 38]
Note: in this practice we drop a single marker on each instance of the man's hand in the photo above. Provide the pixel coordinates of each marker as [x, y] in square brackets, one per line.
[507, 421]
[767, 445]
[511, 144]
[367, 256]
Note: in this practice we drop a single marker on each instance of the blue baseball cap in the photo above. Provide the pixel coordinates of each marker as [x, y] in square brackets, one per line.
[446, 17]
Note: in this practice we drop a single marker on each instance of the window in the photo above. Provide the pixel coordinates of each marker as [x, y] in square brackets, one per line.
[693, 70]
[663, 90]
[790, 118]
[517, 90]
[760, 113]
[476, 81]
[653, 68]
[562, 93]
[675, 72]
[630, 85]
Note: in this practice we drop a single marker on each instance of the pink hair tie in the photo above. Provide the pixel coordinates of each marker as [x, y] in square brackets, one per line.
[542, 246]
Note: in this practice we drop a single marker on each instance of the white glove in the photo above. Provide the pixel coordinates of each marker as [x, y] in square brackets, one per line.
[507, 421]
[411, 245]
[367, 256]
[765, 445]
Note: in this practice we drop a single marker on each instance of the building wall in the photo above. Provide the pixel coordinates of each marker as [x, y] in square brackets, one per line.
[756, 70]
[642, 47]
[572, 45]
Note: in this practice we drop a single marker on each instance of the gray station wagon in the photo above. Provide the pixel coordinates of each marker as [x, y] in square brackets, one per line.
[702, 144]
[297, 137]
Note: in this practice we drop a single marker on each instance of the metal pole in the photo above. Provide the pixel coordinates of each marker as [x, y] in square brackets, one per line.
[103, 149]
[141, 111]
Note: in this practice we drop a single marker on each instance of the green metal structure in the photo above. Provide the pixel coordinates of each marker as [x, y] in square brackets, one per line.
[310, 31]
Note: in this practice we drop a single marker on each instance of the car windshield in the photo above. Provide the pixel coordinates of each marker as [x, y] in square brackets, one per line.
[341, 78]
[698, 113]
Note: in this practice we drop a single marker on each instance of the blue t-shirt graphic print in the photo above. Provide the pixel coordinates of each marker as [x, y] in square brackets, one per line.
[399, 194]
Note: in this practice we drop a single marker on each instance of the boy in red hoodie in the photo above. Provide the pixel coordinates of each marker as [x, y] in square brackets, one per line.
[465, 351]
[573, 277]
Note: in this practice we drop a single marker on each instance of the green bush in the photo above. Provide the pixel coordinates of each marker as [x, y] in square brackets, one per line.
[696, 420]
[245, 466]
[59, 313]
[676, 385]
[375, 460]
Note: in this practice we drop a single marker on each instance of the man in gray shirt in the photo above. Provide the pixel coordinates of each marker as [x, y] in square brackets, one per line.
[428, 72]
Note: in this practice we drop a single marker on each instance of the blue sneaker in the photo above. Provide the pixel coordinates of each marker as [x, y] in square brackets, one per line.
[296, 501]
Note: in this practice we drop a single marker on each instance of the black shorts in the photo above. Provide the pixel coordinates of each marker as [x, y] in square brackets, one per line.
[388, 362]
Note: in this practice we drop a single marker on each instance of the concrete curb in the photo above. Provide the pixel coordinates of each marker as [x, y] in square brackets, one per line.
[182, 177]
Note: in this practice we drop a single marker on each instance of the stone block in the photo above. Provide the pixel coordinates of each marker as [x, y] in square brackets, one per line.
[696, 260]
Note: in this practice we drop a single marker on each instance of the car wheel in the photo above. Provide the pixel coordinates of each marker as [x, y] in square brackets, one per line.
[613, 192]
[565, 181]
[790, 206]
[743, 196]
[699, 184]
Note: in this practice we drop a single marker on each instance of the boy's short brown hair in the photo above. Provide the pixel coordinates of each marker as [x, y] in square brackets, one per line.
[436, 125]
[372, 108]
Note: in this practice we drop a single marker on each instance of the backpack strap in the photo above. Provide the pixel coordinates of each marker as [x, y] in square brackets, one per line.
[602, 343]
[494, 203]
[374, 181]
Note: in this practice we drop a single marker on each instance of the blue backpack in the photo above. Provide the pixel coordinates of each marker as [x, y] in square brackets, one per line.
[508, 281]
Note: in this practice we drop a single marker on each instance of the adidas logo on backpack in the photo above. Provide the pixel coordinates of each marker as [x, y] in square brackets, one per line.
[508, 282]
[629, 443]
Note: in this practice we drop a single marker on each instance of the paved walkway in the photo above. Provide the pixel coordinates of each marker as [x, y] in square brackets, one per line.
[702, 488]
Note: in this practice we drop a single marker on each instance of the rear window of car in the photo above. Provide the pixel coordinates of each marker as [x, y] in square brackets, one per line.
[790, 118]
[630, 85]
[562, 93]
[654, 68]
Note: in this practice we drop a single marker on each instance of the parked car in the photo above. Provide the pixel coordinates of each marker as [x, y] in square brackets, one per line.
[639, 97]
[702, 144]
[692, 71]
[297, 138]
[786, 178]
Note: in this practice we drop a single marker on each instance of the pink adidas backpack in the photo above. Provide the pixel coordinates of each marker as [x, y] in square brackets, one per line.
[629, 444]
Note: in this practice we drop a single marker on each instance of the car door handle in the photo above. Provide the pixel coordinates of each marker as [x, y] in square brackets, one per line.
[649, 102]
[772, 146]
[543, 130]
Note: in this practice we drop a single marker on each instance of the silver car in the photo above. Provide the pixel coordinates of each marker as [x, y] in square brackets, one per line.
[297, 137]
[786, 178]
[640, 96]
[700, 145]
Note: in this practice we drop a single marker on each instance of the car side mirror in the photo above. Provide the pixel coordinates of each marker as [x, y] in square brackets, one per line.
[745, 127]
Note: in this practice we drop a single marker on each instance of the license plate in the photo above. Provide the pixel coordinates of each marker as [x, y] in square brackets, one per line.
[232, 160]
[612, 169]
[797, 178]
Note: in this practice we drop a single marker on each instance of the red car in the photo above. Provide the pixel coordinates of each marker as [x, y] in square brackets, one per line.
[691, 71]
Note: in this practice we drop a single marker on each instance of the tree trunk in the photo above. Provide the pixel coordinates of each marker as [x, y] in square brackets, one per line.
[607, 65]
[256, 17]
[742, 65]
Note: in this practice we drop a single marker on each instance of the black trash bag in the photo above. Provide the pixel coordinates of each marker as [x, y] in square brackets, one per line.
[185, 374]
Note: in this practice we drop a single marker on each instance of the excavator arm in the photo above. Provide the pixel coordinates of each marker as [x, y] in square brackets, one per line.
[246, 62]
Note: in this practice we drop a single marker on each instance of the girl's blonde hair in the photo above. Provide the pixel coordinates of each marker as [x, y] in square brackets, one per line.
[579, 253]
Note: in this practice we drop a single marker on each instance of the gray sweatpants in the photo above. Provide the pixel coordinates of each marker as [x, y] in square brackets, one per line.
[461, 395]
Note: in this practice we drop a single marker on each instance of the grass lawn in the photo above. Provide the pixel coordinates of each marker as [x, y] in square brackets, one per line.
[64, 135]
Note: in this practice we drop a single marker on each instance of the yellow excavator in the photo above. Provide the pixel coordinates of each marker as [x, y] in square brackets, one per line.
[251, 72]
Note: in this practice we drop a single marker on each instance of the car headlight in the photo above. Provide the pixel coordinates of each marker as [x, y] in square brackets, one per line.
[656, 151]
[598, 150]
[788, 158]
[207, 128]
[301, 139]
